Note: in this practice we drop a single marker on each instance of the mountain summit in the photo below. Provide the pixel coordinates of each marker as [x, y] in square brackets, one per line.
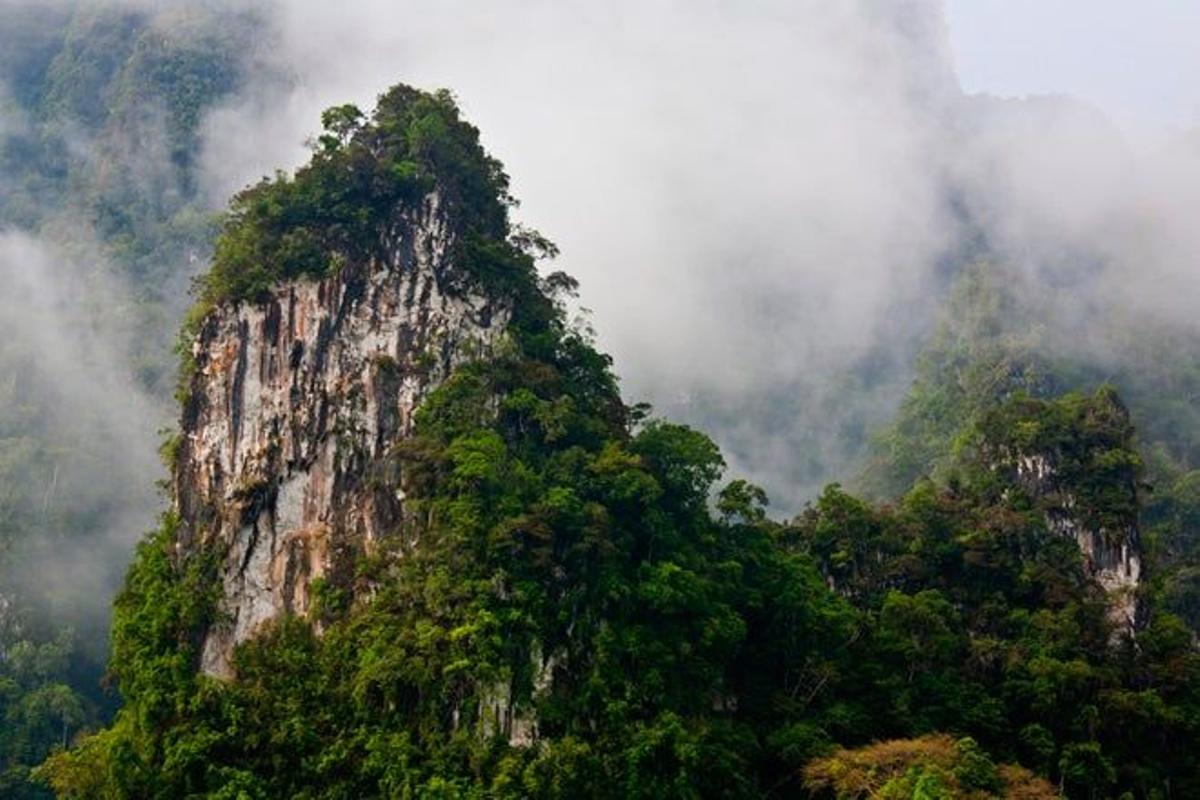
[419, 546]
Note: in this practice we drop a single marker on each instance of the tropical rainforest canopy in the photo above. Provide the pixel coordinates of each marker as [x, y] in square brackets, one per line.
[932, 638]
[704, 649]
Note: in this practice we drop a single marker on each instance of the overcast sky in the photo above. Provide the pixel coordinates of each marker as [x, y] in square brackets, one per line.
[1139, 61]
[753, 195]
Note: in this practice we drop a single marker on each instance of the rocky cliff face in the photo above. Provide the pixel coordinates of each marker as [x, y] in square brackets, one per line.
[294, 405]
[1112, 555]
[1074, 458]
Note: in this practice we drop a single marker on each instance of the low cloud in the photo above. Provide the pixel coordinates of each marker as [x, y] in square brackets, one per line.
[762, 202]
[77, 424]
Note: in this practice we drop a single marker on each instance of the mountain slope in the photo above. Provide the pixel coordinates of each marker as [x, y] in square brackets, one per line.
[420, 548]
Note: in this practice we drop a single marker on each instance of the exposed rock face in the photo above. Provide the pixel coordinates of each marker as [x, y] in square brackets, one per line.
[1113, 557]
[294, 406]
[500, 713]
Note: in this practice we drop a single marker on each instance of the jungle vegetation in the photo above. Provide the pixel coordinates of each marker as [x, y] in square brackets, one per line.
[582, 563]
[578, 563]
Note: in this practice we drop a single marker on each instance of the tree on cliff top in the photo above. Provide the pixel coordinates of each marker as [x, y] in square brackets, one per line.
[364, 173]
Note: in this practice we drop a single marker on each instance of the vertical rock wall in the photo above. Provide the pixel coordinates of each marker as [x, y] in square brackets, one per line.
[1112, 558]
[294, 405]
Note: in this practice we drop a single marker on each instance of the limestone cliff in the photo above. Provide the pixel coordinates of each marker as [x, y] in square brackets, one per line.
[1112, 555]
[1076, 460]
[293, 406]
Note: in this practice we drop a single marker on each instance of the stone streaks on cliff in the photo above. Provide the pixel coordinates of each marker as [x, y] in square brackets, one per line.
[294, 404]
[1112, 557]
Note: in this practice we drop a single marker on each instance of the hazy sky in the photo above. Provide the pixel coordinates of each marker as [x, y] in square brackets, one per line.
[753, 196]
[756, 196]
[1140, 61]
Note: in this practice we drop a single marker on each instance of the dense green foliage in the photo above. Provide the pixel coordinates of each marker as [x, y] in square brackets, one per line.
[38, 704]
[987, 624]
[570, 607]
[1090, 443]
[559, 566]
[986, 348]
[558, 563]
[364, 176]
[994, 343]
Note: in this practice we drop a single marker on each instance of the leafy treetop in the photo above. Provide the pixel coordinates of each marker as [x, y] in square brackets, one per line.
[366, 173]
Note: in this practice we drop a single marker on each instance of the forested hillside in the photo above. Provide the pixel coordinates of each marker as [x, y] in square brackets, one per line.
[569, 602]
[995, 340]
[414, 541]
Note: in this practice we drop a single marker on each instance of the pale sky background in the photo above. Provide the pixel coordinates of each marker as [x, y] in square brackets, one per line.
[1139, 60]
[751, 194]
